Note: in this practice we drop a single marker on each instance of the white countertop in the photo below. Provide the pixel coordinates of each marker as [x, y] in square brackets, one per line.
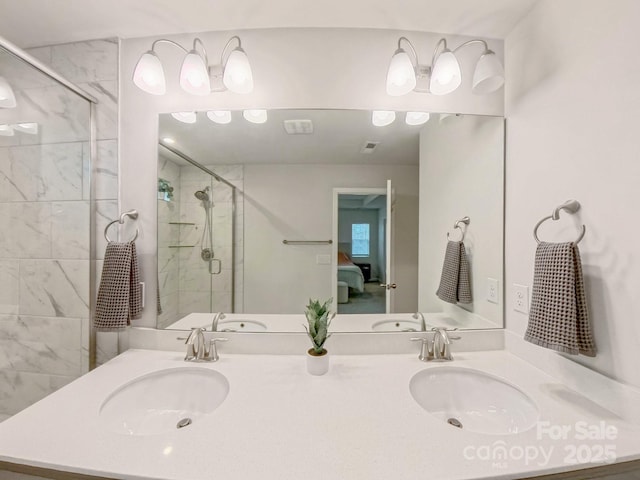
[278, 422]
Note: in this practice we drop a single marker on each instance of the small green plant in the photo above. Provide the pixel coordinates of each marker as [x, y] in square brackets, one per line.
[319, 318]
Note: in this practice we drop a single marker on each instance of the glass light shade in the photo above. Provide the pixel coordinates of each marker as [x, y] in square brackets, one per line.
[148, 75]
[255, 116]
[382, 118]
[194, 75]
[219, 116]
[6, 131]
[7, 97]
[168, 140]
[446, 76]
[237, 76]
[185, 117]
[401, 76]
[417, 118]
[31, 128]
[488, 75]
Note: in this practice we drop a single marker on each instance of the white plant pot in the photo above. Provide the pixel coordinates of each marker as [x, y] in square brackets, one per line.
[317, 364]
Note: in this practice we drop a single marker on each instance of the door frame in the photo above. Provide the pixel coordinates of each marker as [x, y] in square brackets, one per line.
[334, 237]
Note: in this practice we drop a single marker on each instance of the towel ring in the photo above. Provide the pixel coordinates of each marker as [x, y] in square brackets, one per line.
[571, 206]
[465, 221]
[132, 214]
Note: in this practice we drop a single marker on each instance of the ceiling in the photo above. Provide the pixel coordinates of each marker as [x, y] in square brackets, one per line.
[338, 138]
[31, 23]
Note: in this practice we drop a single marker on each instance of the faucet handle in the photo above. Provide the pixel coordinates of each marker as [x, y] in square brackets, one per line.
[211, 355]
[452, 330]
[426, 353]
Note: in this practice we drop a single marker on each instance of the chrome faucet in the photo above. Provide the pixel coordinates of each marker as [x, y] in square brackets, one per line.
[196, 349]
[423, 324]
[195, 344]
[216, 318]
[442, 344]
[437, 348]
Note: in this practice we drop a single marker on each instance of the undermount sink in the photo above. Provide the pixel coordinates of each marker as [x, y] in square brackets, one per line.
[241, 326]
[164, 401]
[473, 400]
[396, 326]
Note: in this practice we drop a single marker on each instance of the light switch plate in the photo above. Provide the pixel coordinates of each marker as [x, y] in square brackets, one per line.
[521, 298]
[493, 295]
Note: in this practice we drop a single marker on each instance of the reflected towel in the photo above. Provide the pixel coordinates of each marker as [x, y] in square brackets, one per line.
[119, 294]
[559, 318]
[455, 285]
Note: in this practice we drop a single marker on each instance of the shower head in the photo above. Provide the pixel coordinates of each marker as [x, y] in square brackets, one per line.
[202, 195]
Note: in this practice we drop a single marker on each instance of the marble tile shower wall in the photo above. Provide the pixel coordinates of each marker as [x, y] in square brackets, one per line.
[185, 282]
[168, 238]
[45, 254]
[199, 290]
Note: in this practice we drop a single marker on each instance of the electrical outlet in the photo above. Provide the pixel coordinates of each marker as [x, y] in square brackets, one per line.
[520, 298]
[492, 290]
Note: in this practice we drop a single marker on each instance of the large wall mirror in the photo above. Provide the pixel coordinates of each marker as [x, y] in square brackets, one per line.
[258, 211]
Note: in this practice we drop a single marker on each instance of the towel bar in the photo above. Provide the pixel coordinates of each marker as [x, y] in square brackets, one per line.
[131, 214]
[307, 242]
[571, 206]
[465, 221]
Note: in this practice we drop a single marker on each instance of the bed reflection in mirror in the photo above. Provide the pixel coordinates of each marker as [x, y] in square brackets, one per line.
[255, 219]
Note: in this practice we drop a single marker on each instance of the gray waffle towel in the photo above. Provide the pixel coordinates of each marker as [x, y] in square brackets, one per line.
[558, 318]
[455, 286]
[119, 294]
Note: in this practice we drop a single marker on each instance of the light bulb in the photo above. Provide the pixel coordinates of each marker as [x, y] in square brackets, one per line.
[255, 116]
[446, 76]
[488, 75]
[148, 75]
[194, 75]
[219, 116]
[382, 118]
[185, 117]
[417, 118]
[28, 127]
[237, 76]
[6, 131]
[401, 76]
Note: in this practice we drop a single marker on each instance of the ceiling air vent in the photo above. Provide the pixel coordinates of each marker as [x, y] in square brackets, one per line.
[298, 127]
[369, 147]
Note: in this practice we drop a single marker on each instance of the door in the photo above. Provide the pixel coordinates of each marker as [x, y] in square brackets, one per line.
[389, 283]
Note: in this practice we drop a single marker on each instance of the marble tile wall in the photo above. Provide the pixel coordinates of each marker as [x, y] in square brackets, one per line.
[186, 284]
[45, 199]
[169, 228]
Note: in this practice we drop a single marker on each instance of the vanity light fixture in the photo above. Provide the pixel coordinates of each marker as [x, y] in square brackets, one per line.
[196, 76]
[255, 115]
[417, 118]
[219, 116]
[6, 131]
[382, 118]
[443, 76]
[168, 140]
[185, 117]
[7, 97]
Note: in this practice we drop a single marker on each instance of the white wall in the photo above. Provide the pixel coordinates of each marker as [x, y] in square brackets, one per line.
[295, 202]
[572, 104]
[461, 174]
[293, 68]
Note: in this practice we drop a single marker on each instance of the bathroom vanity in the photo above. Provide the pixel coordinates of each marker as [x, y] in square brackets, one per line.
[264, 416]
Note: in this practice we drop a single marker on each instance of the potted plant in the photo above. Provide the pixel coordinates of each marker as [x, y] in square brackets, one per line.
[319, 318]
